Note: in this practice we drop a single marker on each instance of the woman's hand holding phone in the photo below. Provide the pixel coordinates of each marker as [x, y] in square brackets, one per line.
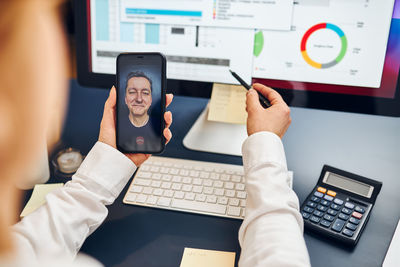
[107, 128]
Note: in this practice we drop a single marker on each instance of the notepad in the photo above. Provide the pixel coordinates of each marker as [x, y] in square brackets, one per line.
[193, 257]
[392, 257]
[228, 104]
[38, 197]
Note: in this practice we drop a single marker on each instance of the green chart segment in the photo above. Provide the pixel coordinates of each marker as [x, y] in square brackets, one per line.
[315, 28]
[258, 43]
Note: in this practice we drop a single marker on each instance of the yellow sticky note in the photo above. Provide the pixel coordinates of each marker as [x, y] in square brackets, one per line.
[38, 197]
[193, 257]
[228, 104]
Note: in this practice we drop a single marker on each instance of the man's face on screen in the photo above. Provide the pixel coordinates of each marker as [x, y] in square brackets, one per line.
[138, 96]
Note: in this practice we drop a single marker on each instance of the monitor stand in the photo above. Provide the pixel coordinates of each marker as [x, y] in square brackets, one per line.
[215, 137]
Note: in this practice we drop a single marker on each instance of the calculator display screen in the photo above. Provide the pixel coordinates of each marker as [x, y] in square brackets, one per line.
[348, 184]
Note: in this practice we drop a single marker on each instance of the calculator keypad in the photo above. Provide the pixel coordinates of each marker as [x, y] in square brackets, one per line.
[324, 209]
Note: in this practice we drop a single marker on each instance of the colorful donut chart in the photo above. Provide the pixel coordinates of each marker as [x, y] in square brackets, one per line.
[315, 28]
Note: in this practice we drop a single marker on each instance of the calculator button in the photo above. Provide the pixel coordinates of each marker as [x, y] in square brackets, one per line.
[335, 206]
[357, 215]
[348, 232]
[325, 202]
[331, 193]
[315, 199]
[332, 212]
[343, 216]
[338, 225]
[354, 220]
[315, 219]
[306, 215]
[351, 226]
[346, 210]
[318, 213]
[322, 208]
[325, 223]
[349, 205]
[338, 201]
[359, 209]
[329, 198]
[318, 194]
[329, 217]
[311, 204]
[321, 189]
[308, 209]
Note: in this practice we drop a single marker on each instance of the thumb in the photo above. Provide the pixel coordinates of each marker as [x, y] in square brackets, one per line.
[112, 98]
[252, 101]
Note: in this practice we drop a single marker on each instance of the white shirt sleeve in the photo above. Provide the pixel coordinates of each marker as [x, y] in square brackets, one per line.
[272, 232]
[59, 228]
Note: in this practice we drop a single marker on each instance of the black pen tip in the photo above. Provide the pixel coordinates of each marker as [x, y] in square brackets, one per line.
[231, 71]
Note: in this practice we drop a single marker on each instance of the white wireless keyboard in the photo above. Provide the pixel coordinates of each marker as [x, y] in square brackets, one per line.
[190, 186]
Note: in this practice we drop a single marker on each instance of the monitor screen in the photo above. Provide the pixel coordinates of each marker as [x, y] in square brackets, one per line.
[327, 54]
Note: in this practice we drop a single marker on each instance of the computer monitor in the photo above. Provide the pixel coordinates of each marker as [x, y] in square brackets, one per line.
[325, 54]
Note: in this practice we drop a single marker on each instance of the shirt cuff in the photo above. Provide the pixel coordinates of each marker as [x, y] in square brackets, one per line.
[107, 167]
[263, 147]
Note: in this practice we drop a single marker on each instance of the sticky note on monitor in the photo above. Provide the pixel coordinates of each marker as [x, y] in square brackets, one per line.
[38, 197]
[193, 257]
[228, 104]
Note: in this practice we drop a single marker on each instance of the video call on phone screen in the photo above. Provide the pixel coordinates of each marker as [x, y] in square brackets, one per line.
[139, 104]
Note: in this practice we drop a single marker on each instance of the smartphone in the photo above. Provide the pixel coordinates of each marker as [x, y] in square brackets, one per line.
[141, 82]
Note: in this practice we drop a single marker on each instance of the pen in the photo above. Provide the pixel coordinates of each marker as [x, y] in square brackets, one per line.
[263, 101]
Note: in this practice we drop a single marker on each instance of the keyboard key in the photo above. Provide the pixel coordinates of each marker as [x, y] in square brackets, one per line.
[147, 190]
[357, 215]
[198, 206]
[236, 178]
[349, 205]
[208, 182]
[219, 192]
[331, 193]
[144, 174]
[166, 177]
[218, 184]
[187, 187]
[329, 217]
[359, 209]
[329, 198]
[343, 216]
[168, 193]
[211, 199]
[321, 189]
[131, 197]
[204, 175]
[241, 194]
[332, 212]
[354, 220]
[335, 206]
[158, 192]
[200, 197]
[229, 193]
[187, 180]
[318, 213]
[156, 176]
[151, 200]
[208, 190]
[239, 187]
[223, 200]
[145, 167]
[338, 225]
[197, 189]
[346, 211]
[234, 202]
[141, 198]
[315, 219]
[318, 194]
[176, 179]
[311, 204]
[322, 208]
[176, 186]
[225, 177]
[155, 183]
[139, 181]
[189, 196]
[325, 202]
[163, 201]
[348, 232]
[243, 203]
[136, 189]
[306, 215]
[308, 209]
[351, 226]
[198, 181]
[315, 199]
[234, 211]
[166, 185]
[214, 176]
[179, 194]
[325, 223]
[338, 201]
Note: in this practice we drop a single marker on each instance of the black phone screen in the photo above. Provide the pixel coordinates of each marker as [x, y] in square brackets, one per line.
[140, 102]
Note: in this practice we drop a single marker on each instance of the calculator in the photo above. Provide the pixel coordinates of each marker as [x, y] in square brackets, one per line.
[340, 204]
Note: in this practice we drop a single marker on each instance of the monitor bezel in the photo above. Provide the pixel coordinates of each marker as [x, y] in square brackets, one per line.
[295, 98]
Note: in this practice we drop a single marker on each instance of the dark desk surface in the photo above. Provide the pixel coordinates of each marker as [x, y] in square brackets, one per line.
[137, 236]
